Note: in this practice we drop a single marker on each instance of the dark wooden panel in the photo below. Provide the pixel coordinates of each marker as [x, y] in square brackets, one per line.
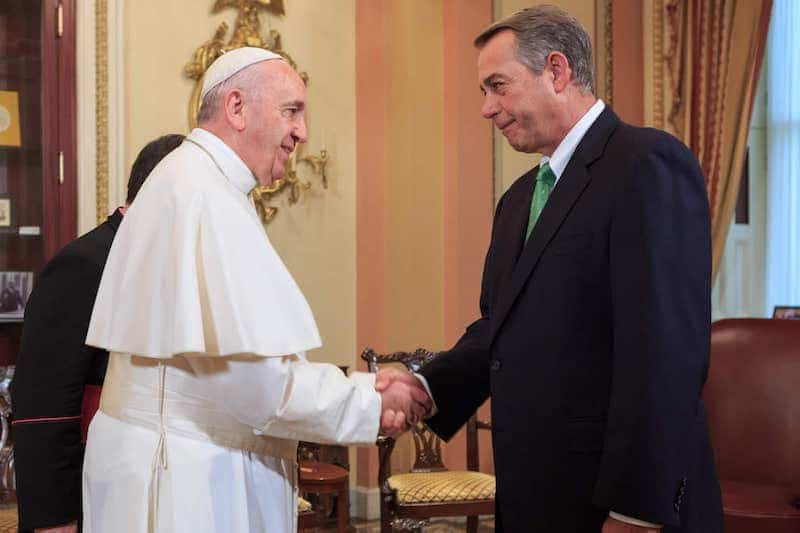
[40, 66]
[21, 167]
[67, 131]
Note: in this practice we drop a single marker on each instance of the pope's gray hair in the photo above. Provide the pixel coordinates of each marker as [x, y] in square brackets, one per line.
[544, 29]
[249, 80]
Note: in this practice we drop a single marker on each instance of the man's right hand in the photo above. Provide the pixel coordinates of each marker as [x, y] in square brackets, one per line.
[404, 401]
[72, 527]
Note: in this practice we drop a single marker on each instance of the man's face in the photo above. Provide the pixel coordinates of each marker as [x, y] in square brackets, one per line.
[276, 122]
[521, 104]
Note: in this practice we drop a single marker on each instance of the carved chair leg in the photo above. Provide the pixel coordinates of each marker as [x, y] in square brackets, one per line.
[386, 519]
[472, 524]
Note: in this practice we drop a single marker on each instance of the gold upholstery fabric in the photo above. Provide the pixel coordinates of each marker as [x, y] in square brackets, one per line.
[8, 518]
[303, 506]
[449, 486]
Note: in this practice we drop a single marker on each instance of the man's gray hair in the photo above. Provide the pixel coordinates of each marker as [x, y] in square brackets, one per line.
[248, 80]
[544, 29]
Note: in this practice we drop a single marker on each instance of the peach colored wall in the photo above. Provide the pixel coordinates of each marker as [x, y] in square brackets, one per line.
[414, 163]
[468, 188]
[424, 181]
[410, 100]
[371, 120]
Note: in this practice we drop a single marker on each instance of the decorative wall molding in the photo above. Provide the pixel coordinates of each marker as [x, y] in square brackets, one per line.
[117, 160]
[102, 174]
[660, 46]
[365, 503]
[658, 64]
[604, 51]
[101, 109]
[86, 89]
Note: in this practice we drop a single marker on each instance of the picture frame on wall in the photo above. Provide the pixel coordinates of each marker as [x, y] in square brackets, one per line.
[15, 288]
[9, 119]
[5, 212]
[786, 311]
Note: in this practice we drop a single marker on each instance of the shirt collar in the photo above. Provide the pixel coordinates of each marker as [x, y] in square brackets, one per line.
[563, 153]
[226, 159]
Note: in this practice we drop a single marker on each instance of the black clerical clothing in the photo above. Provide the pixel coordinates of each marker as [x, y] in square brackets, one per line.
[593, 342]
[53, 367]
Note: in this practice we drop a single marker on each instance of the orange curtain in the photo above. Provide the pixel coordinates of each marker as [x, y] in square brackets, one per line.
[715, 54]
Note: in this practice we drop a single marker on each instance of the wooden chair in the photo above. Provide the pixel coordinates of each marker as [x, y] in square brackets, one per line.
[753, 403]
[430, 489]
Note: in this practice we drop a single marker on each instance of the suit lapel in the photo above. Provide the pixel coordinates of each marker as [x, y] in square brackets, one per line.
[567, 191]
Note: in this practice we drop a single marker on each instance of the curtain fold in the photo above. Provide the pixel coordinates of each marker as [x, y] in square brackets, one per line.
[783, 157]
[714, 59]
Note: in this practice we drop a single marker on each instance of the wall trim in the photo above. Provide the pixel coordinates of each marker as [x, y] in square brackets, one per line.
[101, 108]
[117, 161]
[86, 113]
[365, 503]
[101, 140]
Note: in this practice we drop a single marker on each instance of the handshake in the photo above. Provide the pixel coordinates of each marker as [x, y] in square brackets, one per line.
[404, 401]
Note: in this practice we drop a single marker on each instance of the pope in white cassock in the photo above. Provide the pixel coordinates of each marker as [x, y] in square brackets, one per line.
[208, 388]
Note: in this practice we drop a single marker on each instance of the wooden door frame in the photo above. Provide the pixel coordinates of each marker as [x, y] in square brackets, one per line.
[59, 125]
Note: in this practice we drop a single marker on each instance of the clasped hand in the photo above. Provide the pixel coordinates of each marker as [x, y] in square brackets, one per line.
[404, 401]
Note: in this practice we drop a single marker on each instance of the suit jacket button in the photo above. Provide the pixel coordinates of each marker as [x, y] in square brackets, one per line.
[496, 365]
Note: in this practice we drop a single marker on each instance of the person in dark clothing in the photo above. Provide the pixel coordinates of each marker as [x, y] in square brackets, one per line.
[57, 377]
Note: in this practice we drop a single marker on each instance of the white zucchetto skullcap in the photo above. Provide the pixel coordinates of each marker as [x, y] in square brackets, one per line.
[232, 62]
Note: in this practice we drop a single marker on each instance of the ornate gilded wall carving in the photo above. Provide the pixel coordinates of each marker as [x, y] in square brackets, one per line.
[101, 109]
[604, 46]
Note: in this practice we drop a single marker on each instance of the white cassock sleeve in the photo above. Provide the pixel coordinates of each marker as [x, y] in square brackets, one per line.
[291, 398]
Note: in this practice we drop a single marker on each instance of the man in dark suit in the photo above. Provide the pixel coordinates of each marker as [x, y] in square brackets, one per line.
[593, 341]
[55, 367]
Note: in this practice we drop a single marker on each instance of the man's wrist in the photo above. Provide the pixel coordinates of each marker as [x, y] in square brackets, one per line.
[433, 410]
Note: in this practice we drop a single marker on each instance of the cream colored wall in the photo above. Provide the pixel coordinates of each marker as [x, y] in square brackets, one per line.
[316, 238]
[509, 164]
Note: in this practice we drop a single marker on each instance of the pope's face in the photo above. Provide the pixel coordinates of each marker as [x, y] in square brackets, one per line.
[521, 104]
[277, 123]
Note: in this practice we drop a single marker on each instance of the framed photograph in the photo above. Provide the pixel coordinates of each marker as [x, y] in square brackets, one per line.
[5, 212]
[786, 311]
[9, 118]
[15, 288]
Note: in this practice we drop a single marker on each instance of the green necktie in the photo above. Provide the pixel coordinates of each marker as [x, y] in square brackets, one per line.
[545, 180]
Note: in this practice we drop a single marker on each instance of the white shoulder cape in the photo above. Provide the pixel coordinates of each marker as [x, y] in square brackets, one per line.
[191, 271]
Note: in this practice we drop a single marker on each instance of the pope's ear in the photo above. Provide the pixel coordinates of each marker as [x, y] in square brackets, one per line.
[233, 103]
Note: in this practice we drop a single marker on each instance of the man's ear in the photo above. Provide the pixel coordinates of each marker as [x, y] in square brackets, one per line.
[558, 67]
[233, 106]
